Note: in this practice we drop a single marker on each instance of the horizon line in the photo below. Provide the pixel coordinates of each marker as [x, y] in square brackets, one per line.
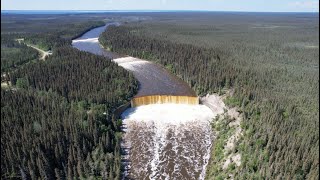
[150, 10]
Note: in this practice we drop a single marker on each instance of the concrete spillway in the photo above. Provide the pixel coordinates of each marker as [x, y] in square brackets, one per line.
[163, 99]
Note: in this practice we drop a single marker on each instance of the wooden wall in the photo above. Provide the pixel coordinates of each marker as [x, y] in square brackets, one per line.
[161, 99]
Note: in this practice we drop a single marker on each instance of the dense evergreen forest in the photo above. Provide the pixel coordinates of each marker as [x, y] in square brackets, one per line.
[57, 115]
[78, 76]
[40, 31]
[270, 63]
[14, 54]
[49, 40]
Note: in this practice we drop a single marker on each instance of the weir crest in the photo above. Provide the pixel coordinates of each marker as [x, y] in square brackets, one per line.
[163, 99]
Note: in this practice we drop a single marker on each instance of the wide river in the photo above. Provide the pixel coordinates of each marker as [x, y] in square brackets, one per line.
[153, 79]
[161, 141]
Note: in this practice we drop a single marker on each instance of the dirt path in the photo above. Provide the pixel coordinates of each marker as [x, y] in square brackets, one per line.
[43, 54]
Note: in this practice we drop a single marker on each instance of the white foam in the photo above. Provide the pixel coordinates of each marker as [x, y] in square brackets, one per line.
[174, 114]
[182, 129]
[131, 63]
[127, 59]
[91, 40]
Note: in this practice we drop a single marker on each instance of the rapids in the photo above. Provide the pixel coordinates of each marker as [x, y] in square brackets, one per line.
[167, 141]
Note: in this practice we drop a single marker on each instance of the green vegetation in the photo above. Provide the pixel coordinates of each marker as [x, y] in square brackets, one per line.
[22, 83]
[44, 31]
[78, 76]
[223, 131]
[50, 39]
[232, 101]
[57, 120]
[48, 31]
[14, 54]
[267, 61]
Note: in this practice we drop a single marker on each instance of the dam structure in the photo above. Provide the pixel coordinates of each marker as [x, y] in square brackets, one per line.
[167, 133]
[163, 99]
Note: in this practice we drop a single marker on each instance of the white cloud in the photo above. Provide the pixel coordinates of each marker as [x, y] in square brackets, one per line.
[305, 4]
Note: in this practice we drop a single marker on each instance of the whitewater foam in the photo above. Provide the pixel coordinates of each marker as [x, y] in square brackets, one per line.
[168, 141]
[91, 40]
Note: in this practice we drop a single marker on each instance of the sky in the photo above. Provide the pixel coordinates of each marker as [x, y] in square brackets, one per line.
[201, 5]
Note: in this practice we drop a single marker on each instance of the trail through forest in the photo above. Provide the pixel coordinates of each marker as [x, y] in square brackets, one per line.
[43, 54]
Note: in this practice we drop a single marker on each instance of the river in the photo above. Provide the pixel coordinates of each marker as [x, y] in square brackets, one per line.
[153, 79]
[160, 141]
[89, 42]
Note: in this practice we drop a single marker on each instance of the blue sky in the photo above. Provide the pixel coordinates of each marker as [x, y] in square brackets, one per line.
[211, 5]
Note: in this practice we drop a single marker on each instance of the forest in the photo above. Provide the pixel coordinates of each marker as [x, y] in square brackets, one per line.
[14, 54]
[268, 61]
[57, 115]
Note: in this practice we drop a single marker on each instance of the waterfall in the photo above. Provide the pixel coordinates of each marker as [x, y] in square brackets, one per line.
[167, 141]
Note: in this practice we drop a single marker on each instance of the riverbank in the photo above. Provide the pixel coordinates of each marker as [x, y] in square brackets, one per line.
[225, 156]
[153, 78]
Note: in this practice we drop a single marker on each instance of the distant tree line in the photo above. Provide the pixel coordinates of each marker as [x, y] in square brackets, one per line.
[61, 37]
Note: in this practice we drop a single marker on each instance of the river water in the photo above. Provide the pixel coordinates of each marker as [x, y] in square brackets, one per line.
[161, 141]
[167, 141]
[89, 42]
[153, 79]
